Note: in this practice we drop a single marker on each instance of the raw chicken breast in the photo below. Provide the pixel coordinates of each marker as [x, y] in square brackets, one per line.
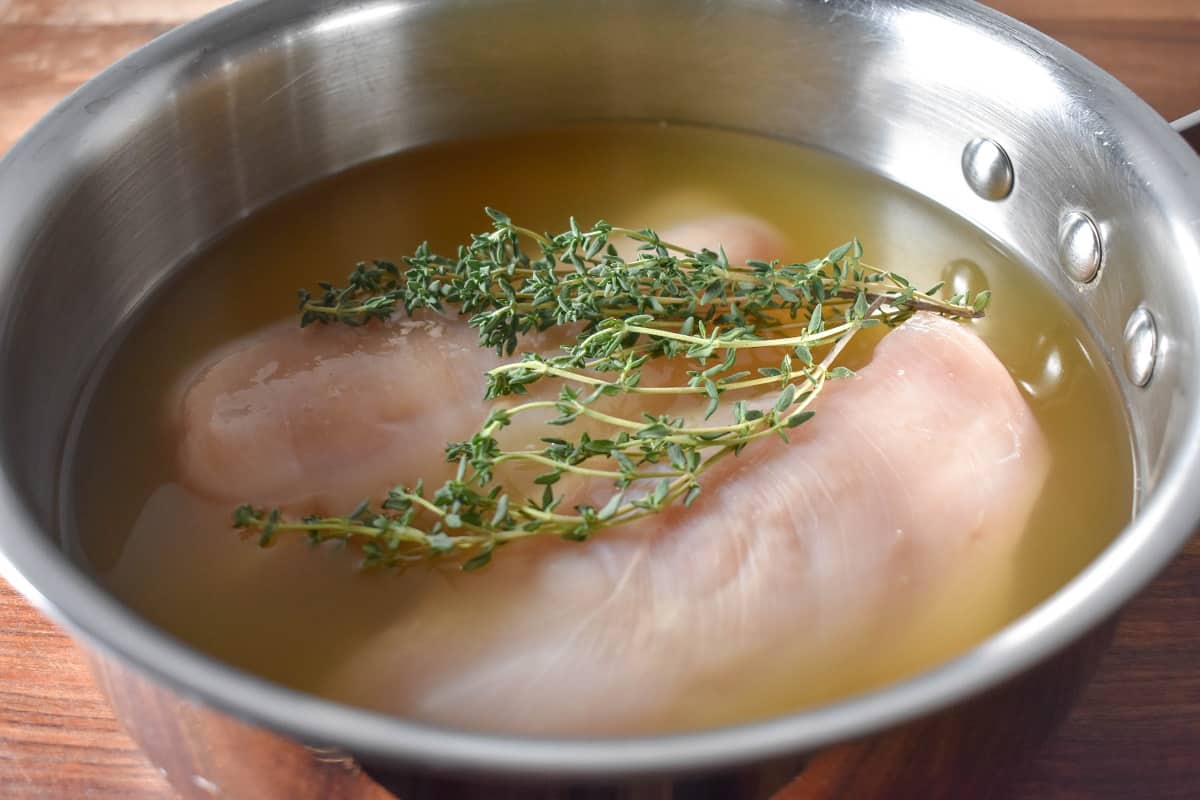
[315, 420]
[916, 476]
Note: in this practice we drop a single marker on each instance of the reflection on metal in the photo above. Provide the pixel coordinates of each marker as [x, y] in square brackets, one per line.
[988, 169]
[1141, 347]
[1079, 247]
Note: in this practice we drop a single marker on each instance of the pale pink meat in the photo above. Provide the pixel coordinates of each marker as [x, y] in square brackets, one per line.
[315, 420]
[920, 468]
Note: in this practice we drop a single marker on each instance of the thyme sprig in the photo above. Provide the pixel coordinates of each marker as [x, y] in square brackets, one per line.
[665, 303]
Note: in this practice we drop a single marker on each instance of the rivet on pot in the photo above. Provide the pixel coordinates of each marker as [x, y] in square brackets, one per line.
[1080, 250]
[1141, 346]
[988, 169]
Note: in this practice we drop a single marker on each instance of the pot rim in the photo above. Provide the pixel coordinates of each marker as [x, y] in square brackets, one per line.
[32, 563]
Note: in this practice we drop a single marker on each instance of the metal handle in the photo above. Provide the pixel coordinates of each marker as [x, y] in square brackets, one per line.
[1188, 126]
[1189, 123]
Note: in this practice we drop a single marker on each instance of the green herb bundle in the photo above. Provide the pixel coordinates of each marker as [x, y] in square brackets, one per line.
[666, 302]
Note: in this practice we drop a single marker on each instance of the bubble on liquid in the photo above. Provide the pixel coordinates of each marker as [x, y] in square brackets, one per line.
[964, 276]
[1045, 374]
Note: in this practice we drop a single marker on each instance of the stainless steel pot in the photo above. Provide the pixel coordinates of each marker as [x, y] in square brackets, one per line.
[117, 187]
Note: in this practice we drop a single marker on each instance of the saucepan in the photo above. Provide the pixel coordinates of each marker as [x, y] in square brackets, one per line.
[1051, 157]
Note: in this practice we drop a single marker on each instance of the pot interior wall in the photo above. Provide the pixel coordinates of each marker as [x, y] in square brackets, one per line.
[145, 165]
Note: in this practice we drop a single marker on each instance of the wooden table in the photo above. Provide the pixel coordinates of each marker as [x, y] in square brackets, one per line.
[1136, 733]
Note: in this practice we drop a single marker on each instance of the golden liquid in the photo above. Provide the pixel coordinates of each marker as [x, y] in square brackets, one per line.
[151, 544]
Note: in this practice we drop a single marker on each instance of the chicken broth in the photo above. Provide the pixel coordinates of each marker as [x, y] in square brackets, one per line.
[313, 621]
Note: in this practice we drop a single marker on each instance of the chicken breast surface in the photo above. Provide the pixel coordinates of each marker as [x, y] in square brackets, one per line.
[915, 476]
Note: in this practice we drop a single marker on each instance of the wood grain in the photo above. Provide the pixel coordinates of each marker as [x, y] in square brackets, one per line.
[39, 65]
[1136, 733]
[58, 738]
[104, 12]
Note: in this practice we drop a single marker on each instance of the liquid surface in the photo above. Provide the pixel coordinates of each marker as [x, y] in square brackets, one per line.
[169, 554]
